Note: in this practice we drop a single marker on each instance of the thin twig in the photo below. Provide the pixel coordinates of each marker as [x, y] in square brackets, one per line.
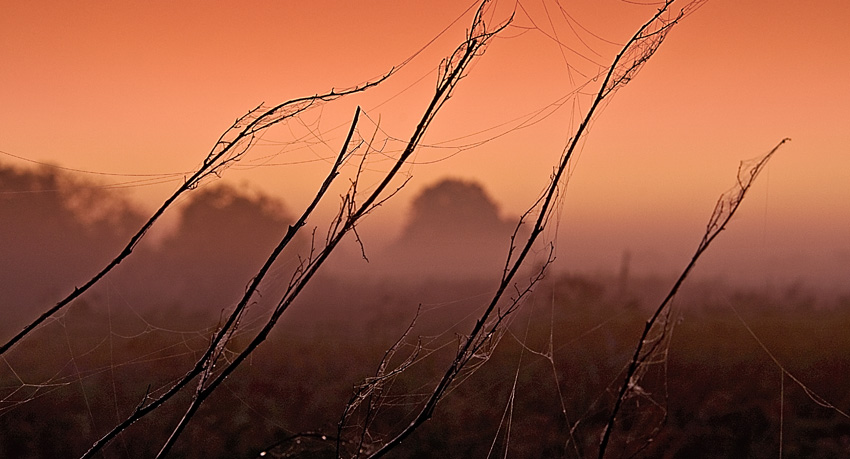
[725, 208]
[208, 359]
[453, 70]
[617, 75]
[223, 154]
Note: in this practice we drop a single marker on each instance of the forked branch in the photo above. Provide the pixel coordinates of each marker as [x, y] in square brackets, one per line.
[452, 71]
[725, 208]
[625, 65]
[205, 364]
[229, 148]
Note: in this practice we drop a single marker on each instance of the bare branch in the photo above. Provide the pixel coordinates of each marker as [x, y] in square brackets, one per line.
[371, 390]
[229, 148]
[208, 359]
[350, 214]
[725, 208]
[633, 55]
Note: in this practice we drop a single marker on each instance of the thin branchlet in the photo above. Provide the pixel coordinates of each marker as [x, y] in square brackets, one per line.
[229, 148]
[474, 348]
[351, 213]
[207, 361]
[618, 74]
[726, 206]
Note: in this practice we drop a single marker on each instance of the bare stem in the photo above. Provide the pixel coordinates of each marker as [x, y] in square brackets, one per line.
[453, 69]
[725, 208]
[243, 133]
[206, 362]
[642, 45]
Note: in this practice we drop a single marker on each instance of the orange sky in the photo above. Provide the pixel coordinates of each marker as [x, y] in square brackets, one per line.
[147, 87]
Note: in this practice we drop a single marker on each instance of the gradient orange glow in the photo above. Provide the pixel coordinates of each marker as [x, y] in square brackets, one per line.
[147, 88]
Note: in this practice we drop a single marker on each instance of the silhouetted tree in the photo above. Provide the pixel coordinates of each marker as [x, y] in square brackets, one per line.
[463, 204]
[454, 228]
[223, 236]
[54, 230]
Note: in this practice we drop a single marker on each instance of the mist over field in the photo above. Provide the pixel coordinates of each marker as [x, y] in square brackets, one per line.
[152, 317]
[59, 229]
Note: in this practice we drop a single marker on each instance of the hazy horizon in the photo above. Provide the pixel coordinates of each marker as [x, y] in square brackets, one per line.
[589, 247]
[143, 95]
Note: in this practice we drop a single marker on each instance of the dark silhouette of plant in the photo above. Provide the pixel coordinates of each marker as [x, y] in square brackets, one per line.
[352, 210]
[656, 331]
[229, 149]
[205, 365]
[476, 347]
[223, 355]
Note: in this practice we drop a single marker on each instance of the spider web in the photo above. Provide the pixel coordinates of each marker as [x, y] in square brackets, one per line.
[107, 354]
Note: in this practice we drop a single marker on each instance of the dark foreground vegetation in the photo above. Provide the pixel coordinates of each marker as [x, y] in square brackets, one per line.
[544, 392]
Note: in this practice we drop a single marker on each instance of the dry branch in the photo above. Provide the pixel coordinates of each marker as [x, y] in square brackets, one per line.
[452, 71]
[229, 148]
[625, 65]
[205, 364]
[725, 208]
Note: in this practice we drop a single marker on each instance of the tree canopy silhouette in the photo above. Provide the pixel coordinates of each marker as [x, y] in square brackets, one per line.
[223, 236]
[55, 228]
[454, 228]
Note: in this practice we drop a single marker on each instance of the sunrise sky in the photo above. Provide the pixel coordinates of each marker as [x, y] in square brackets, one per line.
[147, 87]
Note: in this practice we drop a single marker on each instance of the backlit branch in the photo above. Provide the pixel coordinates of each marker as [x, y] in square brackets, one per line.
[625, 65]
[725, 208]
[205, 364]
[453, 69]
[229, 148]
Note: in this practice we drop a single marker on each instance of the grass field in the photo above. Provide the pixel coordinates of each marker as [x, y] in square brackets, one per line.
[715, 392]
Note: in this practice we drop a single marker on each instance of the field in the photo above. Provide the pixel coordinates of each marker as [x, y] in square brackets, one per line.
[545, 391]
